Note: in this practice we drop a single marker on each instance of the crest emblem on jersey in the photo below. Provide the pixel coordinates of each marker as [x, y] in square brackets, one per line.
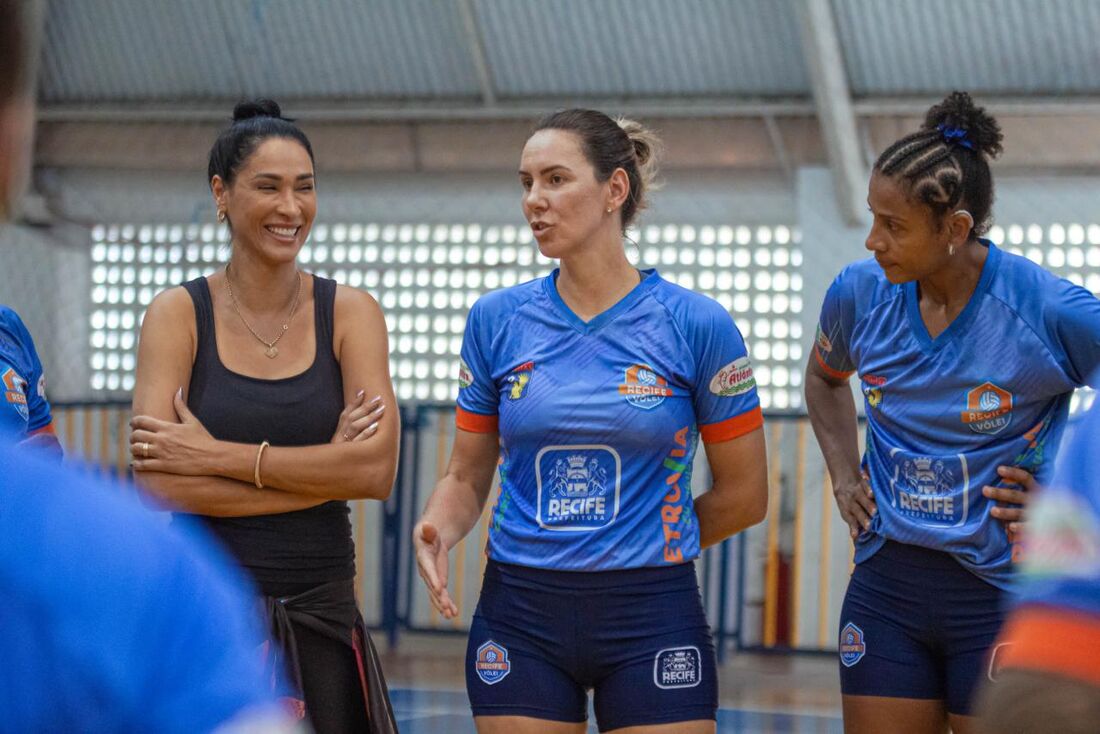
[643, 387]
[852, 645]
[492, 664]
[933, 490]
[517, 380]
[872, 389]
[15, 392]
[822, 341]
[578, 487]
[465, 376]
[677, 667]
[988, 409]
[734, 379]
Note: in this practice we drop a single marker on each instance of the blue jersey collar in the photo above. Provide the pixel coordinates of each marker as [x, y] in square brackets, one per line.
[650, 278]
[959, 324]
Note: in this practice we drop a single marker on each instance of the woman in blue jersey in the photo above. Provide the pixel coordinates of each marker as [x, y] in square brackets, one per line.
[591, 387]
[967, 357]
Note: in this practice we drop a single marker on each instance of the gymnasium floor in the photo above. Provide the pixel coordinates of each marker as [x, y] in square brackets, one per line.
[758, 694]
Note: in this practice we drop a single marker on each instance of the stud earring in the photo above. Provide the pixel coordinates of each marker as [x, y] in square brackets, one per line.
[610, 209]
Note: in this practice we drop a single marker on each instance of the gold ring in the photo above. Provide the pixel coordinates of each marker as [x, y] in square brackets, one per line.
[145, 449]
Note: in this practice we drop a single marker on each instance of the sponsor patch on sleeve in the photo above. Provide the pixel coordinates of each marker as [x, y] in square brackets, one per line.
[465, 376]
[42, 386]
[735, 378]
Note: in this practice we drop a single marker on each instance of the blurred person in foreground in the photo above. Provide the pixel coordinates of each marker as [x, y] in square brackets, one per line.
[111, 622]
[1045, 676]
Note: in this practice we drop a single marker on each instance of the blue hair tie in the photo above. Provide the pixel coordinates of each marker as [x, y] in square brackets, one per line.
[956, 135]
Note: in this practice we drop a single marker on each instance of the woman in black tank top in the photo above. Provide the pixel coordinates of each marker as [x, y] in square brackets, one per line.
[262, 404]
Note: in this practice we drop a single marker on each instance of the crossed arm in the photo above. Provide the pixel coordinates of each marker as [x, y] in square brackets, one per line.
[187, 469]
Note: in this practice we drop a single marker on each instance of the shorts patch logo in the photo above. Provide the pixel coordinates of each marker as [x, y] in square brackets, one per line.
[852, 645]
[578, 487]
[988, 409]
[492, 664]
[15, 392]
[643, 387]
[932, 490]
[518, 379]
[677, 667]
[465, 376]
[735, 378]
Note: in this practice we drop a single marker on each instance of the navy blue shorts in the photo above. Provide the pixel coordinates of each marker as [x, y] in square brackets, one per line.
[638, 638]
[916, 624]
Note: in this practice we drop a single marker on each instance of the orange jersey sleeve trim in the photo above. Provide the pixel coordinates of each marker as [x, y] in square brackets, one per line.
[1054, 641]
[733, 427]
[48, 428]
[475, 422]
[835, 374]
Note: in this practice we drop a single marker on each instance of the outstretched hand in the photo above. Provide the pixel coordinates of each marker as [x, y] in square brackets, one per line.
[431, 561]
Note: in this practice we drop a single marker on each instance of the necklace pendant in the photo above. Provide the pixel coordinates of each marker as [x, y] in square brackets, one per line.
[272, 352]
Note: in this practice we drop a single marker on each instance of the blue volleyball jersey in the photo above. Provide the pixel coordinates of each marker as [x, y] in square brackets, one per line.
[1061, 565]
[942, 414]
[599, 421]
[24, 408]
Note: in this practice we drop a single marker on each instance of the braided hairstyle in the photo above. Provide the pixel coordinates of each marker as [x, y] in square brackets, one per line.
[945, 164]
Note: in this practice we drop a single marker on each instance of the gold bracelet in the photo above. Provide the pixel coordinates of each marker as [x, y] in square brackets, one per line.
[256, 473]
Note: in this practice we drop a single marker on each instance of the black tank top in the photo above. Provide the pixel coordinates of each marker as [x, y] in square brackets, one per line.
[292, 549]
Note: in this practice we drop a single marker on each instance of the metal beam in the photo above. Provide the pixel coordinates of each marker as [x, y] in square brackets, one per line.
[476, 45]
[468, 109]
[458, 109]
[829, 82]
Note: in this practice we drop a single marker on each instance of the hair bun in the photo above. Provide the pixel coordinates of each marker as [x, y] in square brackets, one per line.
[959, 111]
[256, 108]
[647, 149]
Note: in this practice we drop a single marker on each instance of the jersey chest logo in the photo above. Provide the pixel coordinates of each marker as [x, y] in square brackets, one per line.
[988, 409]
[578, 487]
[643, 387]
[517, 380]
[931, 490]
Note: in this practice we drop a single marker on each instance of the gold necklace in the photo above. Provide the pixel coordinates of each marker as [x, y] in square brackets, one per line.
[272, 351]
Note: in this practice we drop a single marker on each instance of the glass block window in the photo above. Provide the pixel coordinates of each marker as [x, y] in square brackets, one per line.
[1071, 251]
[426, 277]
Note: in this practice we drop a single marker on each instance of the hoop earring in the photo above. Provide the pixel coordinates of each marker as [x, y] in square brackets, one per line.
[950, 250]
[222, 216]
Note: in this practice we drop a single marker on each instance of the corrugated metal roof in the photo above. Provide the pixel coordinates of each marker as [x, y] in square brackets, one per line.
[642, 47]
[99, 51]
[136, 50]
[995, 46]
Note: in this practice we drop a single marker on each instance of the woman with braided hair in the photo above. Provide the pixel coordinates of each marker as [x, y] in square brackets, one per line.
[968, 357]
